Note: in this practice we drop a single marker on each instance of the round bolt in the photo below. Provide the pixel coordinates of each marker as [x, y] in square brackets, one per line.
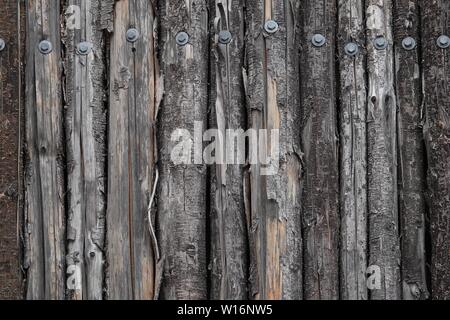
[318, 40]
[225, 36]
[2, 44]
[45, 47]
[83, 48]
[351, 49]
[182, 38]
[408, 43]
[443, 42]
[380, 43]
[271, 26]
[132, 35]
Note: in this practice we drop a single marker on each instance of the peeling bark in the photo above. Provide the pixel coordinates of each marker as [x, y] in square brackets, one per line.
[353, 152]
[320, 147]
[384, 250]
[436, 80]
[411, 149]
[44, 196]
[181, 221]
[275, 185]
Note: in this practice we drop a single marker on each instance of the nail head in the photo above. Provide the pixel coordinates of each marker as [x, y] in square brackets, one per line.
[45, 47]
[408, 43]
[318, 40]
[443, 42]
[225, 36]
[132, 35]
[84, 48]
[271, 26]
[182, 38]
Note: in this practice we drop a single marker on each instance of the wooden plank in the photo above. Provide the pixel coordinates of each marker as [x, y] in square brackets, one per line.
[181, 221]
[44, 183]
[382, 153]
[132, 154]
[436, 78]
[85, 124]
[353, 152]
[320, 147]
[11, 133]
[411, 149]
[228, 257]
[272, 76]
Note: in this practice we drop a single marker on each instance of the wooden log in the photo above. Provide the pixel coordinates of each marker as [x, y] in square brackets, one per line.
[320, 147]
[44, 181]
[436, 78]
[11, 133]
[382, 154]
[228, 229]
[85, 124]
[353, 151]
[181, 221]
[411, 151]
[272, 76]
[131, 249]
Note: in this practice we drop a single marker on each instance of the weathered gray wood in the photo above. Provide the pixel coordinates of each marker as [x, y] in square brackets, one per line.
[436, 80]
[85, 115]
[353, 152]
[11, 133]
[44, 196]
[382, 153]
[181, 221]
[132, 154]
[272, 79]
[411, 149]
[320, 147]
[228, 257]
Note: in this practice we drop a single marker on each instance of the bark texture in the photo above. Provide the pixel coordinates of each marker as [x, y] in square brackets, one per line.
[11, 126]
[181, 221]
[131, 244]
[384, 251]
[44, 196]
[353, 152]
[228, 227]
[320, 146]
[411, 152]
[436, 79]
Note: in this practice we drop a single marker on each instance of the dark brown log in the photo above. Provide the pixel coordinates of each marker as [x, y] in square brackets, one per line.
[320, 147]
[181, 221]
[436, 80]
[353, 152]
[11, 133]
[131, 245]
[44, 196]
[228, 257]
[411, 149]
[272, 80]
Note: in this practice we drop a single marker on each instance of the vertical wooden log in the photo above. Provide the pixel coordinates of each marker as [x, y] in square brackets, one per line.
[131, 250]
[228, 257]
[353, 151]
[181, 221]
[436, 79]
[44, 182]
[411, 157]
[319, 142]
[11, 115]
[382, 153]
[85, 126]
[273, 105]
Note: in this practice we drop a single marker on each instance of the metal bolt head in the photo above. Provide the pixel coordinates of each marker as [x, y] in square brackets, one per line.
[351, 49]
[408, 43]
[182, 38]
[45, 47]
[271, 26]
[443, 41]
[84, 48]
[225, 36]
[318, 40]
[380, 43]
[2, 44]
[132, 35]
